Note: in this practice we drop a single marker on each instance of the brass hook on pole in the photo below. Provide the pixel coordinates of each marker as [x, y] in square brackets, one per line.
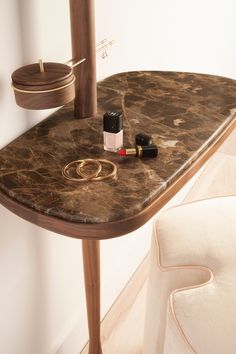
[76, 63]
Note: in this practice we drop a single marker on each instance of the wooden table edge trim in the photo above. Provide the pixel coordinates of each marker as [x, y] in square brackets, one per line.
[117, 228]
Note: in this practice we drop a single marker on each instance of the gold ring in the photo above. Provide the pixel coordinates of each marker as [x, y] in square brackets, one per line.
[84, 162]
[44, 91]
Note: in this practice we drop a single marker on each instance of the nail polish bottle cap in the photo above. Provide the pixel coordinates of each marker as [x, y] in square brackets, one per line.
[113, 122]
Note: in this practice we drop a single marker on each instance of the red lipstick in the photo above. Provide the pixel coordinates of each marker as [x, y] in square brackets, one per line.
[140, 151]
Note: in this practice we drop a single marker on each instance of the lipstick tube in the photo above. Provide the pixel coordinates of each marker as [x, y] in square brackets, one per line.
[140, 151]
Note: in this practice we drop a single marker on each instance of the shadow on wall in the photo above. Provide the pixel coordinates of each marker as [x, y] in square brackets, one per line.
[39, 287]
[59, 292]
[31, 51]
[1, 90]
[19, 304]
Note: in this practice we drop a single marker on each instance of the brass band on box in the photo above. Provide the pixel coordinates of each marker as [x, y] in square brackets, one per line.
[83, 174]
[45, 91]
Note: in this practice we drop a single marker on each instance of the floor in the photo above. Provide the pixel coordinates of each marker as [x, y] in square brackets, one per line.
[122, 328]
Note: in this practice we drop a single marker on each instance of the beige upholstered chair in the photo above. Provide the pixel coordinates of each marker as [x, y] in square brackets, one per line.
[191, 298]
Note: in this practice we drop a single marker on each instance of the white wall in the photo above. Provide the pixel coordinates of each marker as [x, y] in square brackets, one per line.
[183, 35]
[42, 303]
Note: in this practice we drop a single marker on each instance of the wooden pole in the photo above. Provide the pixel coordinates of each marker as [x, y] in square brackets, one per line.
[83, 46]
[91, 259]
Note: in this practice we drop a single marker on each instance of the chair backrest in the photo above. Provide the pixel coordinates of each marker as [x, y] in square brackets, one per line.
[200, 236]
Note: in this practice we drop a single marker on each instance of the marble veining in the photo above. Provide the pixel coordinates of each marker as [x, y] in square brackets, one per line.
[182, 111]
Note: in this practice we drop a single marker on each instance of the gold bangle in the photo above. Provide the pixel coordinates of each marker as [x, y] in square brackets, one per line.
[84, 162]
[110, 175]
[98, 178]
[44, 91]
[92, 177]
[86, 175]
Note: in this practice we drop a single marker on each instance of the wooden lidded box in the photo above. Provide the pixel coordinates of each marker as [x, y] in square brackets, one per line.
[43, 85]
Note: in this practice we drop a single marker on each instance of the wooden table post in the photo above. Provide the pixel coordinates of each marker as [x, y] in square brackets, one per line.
[83, 46]
[91, 259]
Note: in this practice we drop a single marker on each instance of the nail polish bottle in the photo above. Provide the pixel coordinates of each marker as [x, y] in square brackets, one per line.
[113, 131]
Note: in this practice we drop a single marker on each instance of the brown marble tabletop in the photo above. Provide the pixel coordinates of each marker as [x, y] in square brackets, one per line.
[185, 113]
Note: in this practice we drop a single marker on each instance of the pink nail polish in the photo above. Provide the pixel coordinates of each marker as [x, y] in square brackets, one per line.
[113, 131]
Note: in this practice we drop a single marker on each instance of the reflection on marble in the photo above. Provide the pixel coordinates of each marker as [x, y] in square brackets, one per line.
[182, 112]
